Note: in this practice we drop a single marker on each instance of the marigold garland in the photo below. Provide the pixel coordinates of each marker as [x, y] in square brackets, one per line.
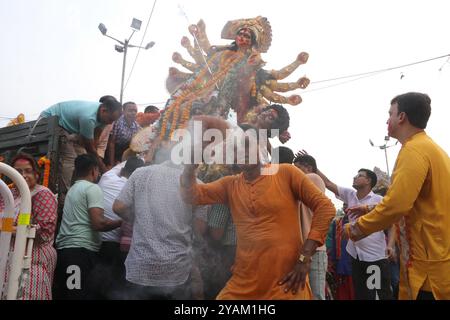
[146, 119]
[44, 161]
[193, 91]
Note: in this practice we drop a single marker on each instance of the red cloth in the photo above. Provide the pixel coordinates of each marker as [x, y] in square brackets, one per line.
[344, 290]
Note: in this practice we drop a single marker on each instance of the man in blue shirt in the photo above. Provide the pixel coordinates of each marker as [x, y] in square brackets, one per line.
[79, 121]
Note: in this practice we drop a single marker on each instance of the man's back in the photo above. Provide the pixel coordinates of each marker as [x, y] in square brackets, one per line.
[160, 253]
[111, 184]
[76, 230]
[79, 117]
[306, 213]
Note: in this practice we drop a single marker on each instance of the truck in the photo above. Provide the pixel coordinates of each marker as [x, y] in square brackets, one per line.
[38, 138]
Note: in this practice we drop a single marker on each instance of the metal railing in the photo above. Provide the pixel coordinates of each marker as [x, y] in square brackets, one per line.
[20, 262]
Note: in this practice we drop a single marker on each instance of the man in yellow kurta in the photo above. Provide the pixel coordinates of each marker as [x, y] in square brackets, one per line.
[418, 200]
[272, 262]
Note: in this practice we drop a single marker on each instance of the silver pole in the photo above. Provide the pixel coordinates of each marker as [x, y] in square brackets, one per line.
[22, 230]
[387, 164]
[5, 235]
[125, 50]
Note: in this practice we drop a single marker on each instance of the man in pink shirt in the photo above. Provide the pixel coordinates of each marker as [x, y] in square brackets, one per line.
[319, 262]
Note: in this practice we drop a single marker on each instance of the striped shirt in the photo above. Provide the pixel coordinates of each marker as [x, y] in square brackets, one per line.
[220, 217]
[124, 132]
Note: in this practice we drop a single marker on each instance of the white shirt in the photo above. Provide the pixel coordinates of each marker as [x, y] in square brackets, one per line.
[373, 247]
[111, 184]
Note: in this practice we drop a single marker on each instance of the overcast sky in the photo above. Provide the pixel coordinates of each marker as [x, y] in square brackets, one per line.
[52, 51]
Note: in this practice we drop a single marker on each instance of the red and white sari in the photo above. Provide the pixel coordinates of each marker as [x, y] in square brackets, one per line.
[44, 215]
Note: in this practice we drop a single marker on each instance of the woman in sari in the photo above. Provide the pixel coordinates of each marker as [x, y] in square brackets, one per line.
[43, 217]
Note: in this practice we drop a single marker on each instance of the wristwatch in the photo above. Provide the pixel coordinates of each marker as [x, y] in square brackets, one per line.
[304, 259]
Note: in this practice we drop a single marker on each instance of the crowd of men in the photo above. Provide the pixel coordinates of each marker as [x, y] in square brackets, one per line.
[150, 229]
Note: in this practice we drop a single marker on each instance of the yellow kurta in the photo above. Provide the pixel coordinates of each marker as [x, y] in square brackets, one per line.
[268, 234]
[419, 199]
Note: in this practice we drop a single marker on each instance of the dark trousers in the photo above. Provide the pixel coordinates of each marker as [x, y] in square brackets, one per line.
[180, 292]
[395, 278]
[111, 281]
[74, 274]
[371, 279]
[217, 273]
[425, 295]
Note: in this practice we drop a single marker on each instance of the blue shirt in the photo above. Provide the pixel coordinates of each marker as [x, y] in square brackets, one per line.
[78, 117]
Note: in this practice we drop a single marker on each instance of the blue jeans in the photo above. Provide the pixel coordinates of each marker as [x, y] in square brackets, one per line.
[317, 274]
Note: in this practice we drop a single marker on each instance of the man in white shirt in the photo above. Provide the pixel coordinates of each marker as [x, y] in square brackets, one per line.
[159, 263]
[112, 259]
[370, 267]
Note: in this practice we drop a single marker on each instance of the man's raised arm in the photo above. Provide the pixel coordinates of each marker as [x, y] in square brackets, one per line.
[188, 181]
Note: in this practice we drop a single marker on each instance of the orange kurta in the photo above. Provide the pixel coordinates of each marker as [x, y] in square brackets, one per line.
[268, 234]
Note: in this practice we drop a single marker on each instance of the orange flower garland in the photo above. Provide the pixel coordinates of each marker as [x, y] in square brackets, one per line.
[44, 161]
[146, 119]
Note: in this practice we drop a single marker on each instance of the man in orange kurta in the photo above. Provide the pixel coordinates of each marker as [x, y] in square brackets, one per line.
[272, 262]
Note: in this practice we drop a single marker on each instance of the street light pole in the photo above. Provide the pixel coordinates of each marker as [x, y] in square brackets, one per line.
[385, 155]
[123, 48]
[384, 147]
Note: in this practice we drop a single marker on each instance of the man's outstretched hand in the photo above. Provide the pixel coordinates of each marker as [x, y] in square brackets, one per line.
[301, 153]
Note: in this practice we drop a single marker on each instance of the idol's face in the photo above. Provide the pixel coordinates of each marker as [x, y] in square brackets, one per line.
[244, 38]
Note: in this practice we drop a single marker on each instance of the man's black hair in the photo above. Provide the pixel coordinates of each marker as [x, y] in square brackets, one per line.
[286, 155]
[126, 104]
[132, 164]
[111, 104]
[84, 164]
[307, 160]
[282, 121]
[417, 107]
[151, 109]
[371, 175]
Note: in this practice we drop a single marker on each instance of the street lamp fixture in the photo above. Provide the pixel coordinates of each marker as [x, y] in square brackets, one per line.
[119, 48]
[102, 29]
[136, 24]
[124, 45]
[384, 147]
[149, 45]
